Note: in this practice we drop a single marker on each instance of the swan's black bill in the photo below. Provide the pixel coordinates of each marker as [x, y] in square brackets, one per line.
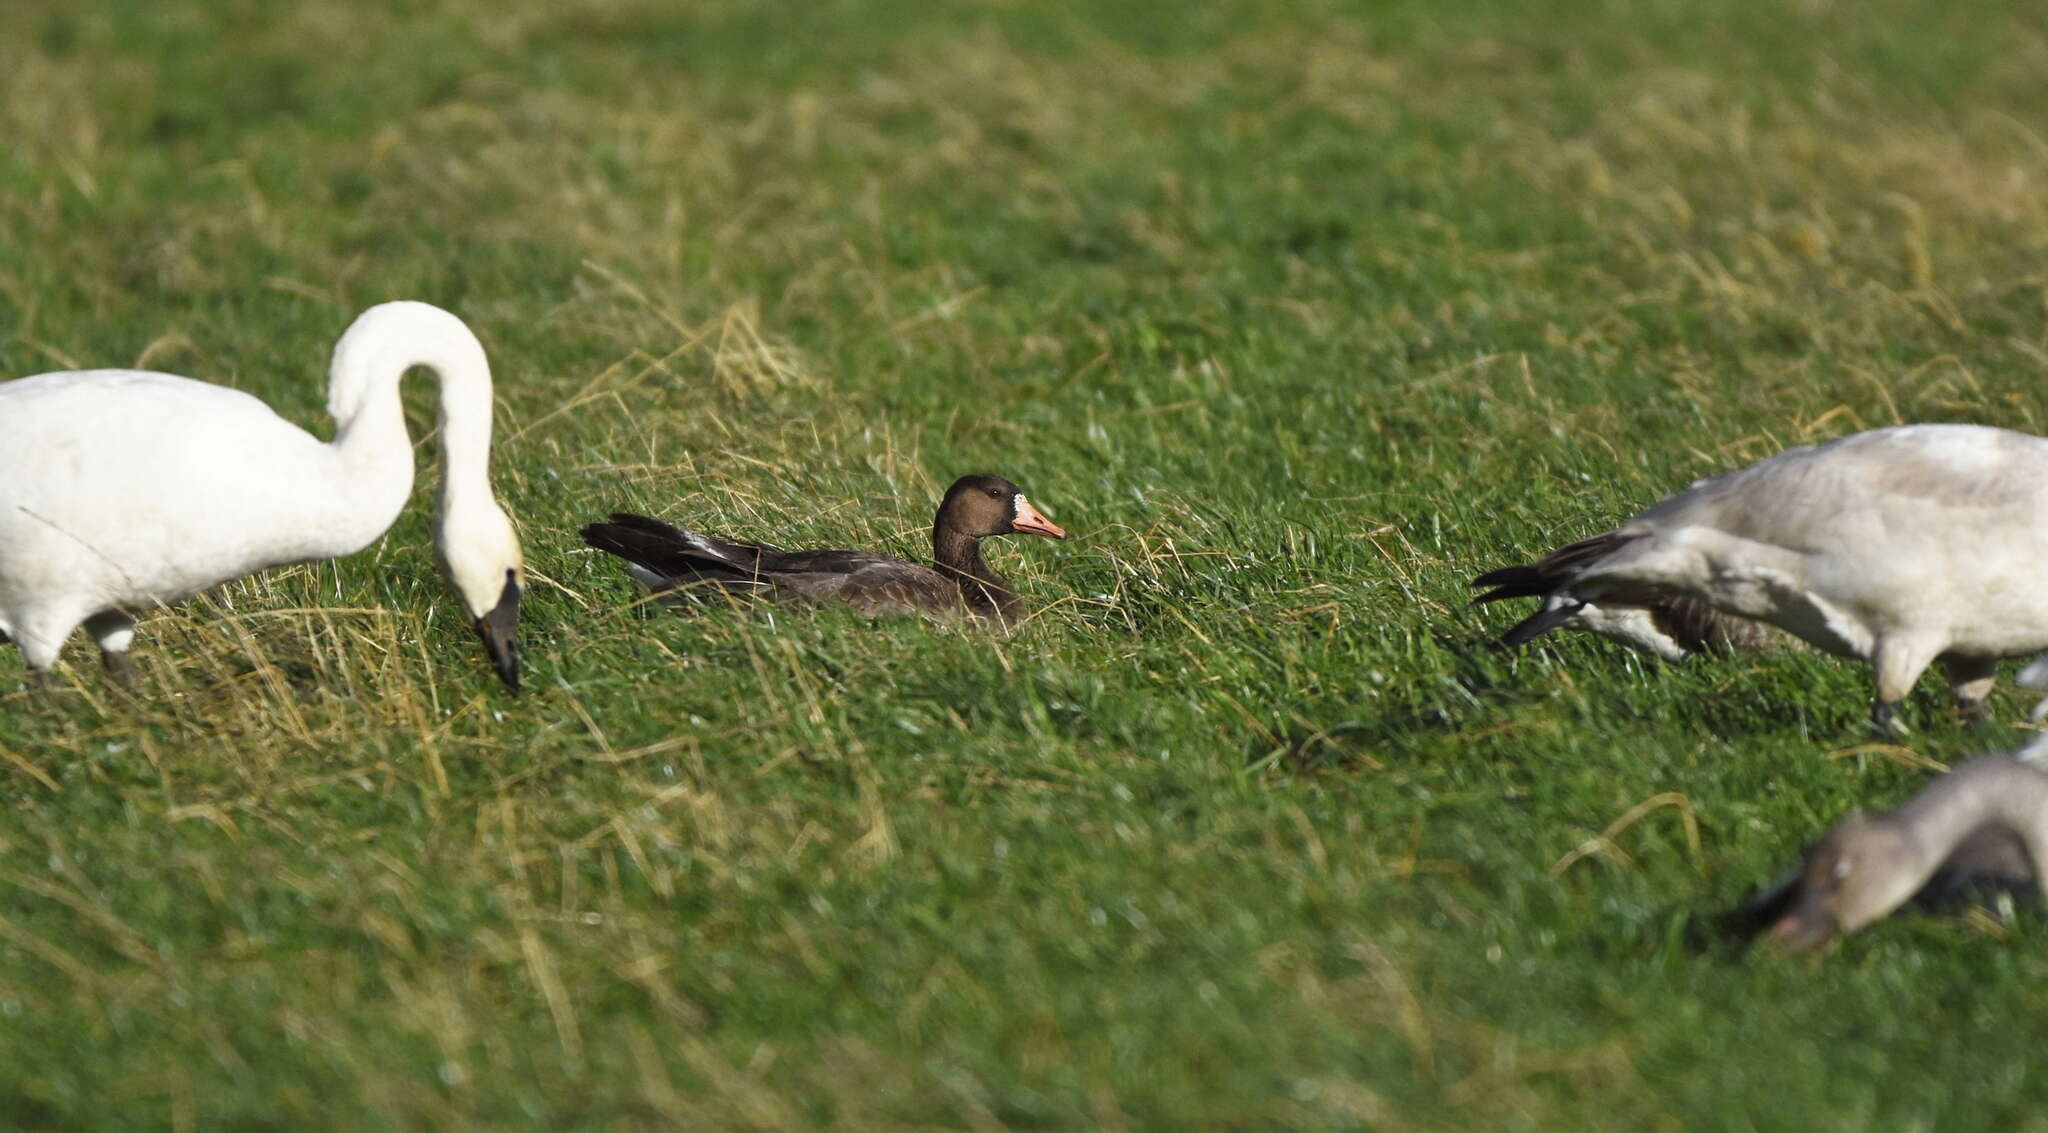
[499, 630]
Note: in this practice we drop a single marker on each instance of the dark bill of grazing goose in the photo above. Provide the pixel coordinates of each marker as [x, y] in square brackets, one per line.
[1983, 825]
[672, 561]
[1669, 626]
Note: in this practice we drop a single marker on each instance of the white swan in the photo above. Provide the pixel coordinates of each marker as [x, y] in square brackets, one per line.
[122, 489]
[1984, 822]
[1901, 546]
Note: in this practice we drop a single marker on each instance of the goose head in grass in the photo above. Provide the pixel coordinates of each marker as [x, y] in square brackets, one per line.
[1986, 821]
[978, 507]
[1863, 869]
[983, 505]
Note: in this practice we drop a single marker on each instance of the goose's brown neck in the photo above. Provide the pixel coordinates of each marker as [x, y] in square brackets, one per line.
[958, 556]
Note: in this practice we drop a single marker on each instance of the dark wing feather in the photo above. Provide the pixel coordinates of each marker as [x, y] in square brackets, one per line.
[1694, 625]
[684, 560]
[830, 562]
[1533, 580]
[657, 545]
[671, 551]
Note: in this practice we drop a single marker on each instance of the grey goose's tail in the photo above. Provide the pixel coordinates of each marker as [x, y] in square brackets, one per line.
[1541, 579]
[1534, 580]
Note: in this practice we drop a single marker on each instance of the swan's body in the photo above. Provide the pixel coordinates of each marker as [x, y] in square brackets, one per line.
[1984, 822]
[123, 489]
[1900, 546]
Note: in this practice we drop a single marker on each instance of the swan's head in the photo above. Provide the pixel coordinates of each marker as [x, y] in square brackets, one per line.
[479, 553]
[1862, 870]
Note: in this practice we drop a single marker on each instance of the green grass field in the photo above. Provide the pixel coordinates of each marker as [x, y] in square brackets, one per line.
[1296, 315]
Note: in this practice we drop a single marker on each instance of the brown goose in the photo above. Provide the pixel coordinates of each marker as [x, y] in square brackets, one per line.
[1669, 626]
[1983, 824]
[671, 560]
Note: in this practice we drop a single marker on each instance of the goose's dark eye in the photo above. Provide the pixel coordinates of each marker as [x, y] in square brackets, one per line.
[995, 493]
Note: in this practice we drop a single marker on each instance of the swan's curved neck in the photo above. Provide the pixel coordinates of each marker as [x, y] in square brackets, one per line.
[370, 437]
[1992, 791]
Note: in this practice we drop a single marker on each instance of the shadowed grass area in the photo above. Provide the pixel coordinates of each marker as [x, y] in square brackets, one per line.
[1295, 315]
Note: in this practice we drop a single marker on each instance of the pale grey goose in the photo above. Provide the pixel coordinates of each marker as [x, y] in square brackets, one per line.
[1901, 546]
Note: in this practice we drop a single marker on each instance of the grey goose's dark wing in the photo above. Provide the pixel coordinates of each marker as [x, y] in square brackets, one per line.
[1690, 623]
[1534, 580]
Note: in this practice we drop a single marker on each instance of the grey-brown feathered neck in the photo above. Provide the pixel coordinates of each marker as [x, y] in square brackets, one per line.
[1986, 789]
[958, 556]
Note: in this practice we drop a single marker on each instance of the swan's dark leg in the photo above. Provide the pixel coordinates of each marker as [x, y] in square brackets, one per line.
[121, 668]
[1971, 679]
[115, 632]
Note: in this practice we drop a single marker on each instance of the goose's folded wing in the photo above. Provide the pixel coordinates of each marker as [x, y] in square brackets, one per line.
[883, 586]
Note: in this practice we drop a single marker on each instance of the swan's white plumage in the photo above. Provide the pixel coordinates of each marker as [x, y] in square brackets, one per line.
[1899, 546]
[121, 489]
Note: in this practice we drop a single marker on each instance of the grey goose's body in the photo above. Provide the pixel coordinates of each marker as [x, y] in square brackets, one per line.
[1903, 547]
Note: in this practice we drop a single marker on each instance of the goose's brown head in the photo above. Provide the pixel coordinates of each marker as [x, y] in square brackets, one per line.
[982, 505]
[1858, 873]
